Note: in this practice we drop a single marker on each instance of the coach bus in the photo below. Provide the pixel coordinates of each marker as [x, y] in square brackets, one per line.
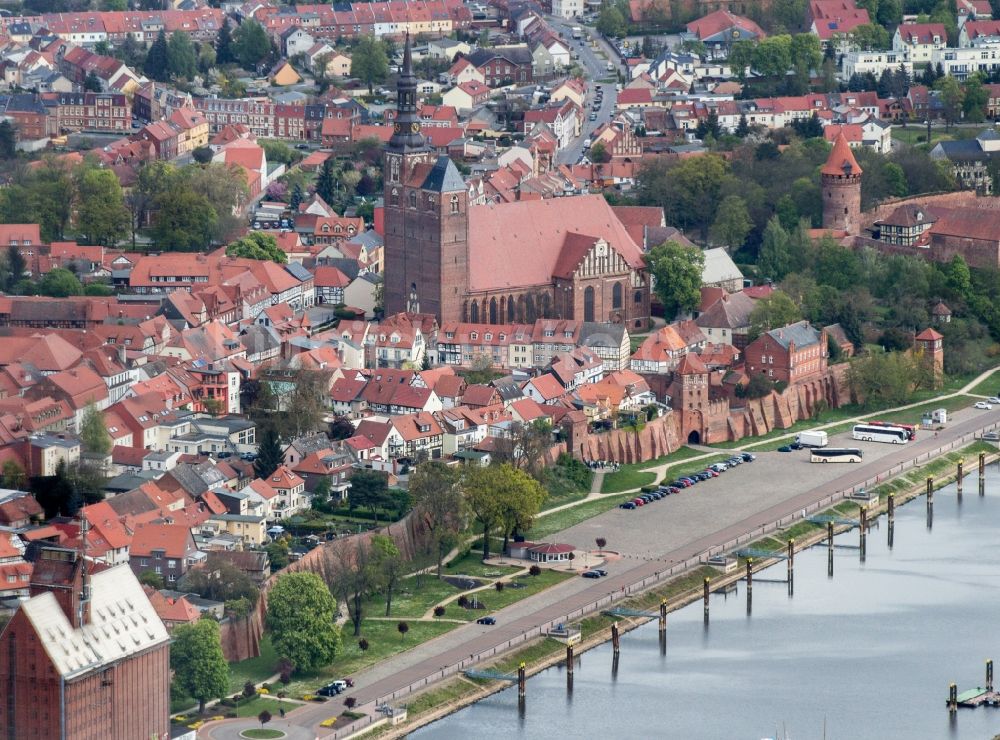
[882, 433]
[911, 430]
[835, 454]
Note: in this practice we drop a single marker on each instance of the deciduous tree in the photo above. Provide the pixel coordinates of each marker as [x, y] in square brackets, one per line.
[196, 657]
[677, 270]
[437, 498]
[369, 61]
[257, 246]
[369, 490]
[301, 615]
[389, 566]
[772, 312]
[93, 433]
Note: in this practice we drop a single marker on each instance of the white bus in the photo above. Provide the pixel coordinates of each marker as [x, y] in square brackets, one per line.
[881, 433]
[835, 454]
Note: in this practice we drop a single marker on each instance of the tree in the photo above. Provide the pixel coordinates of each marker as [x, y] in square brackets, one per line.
[952, 98]
[220, 580]
[611, 22]
[326, 183]
[483, 494]
[600, 542]
[16, 266]
[341, 428]
[202, 155]
[60, 283]
[295, 200]
[389, 566]
[92, 83]
[775, 258]
[403, 628]
[269, 454]
[732, 223]
[599, 153]
[94, 435]
[975, 100]
[301, 615]
[184, 221]
[8, 140]
[871, 37]
[521, 502]
[224, 44]
[883, 379]
[677, 270]
[369, 62]
[181, 58]
[152, 579]
[437, 499]
[349, 573]
[689, 191]
[264, 717]
[369, 490]
[772, 312]
[157, 65]
[196, 657]
[257, 246]
[250, 44]
[101, 215]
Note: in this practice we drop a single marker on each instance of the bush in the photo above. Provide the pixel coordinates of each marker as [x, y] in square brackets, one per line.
[350, 702]
[285, 677]
[249, 689]
[362, 644]
[534, 570]
[498, 585]
[439, 611]
[463, 601]
[648, 489]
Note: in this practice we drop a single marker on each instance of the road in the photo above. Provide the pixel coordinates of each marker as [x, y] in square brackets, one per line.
[596, 69]
[686, 536]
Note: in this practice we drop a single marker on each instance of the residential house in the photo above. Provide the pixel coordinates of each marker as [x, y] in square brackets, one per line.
[168, 550]
[790, 354]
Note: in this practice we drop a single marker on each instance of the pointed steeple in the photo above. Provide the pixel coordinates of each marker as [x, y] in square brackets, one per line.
[841, 162]
[406, 132]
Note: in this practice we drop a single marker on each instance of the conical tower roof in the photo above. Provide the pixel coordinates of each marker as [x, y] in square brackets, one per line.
[841, 161]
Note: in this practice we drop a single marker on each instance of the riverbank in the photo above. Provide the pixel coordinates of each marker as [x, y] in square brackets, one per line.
[443, 699]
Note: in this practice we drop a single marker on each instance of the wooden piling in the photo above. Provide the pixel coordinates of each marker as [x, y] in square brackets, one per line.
[663, 616]
[791, 566]
[930, 490]
[982, 465]
[749, 585]
[522, 682]
[960, 473]
[891, 510]
[569, 659]
[705, 587]
[952, 698]
[829, 549]
[989, 675]
[863, 529]
[615, 640]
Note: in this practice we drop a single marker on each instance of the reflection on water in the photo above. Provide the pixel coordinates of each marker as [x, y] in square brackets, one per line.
[866, 654]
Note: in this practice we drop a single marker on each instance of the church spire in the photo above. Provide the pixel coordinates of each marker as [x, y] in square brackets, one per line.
[406, 134]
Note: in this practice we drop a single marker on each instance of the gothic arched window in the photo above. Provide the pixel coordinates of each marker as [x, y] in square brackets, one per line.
[588, 304]
[454, 204]
[616, 296]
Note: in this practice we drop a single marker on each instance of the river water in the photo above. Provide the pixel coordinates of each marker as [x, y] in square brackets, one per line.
[866, 654]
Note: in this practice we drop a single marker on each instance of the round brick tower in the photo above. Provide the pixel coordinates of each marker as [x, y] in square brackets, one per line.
[842, 189]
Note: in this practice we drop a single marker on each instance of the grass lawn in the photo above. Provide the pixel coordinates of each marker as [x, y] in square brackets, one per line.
[413, 601]
[253, 707]
[383, 641]
[548, 525]
[988, 387]
[257, 669]
[436, 697]
[471, 564]
[495, 600]
[636, 475]
[262, 733]
[916, 133]
[676, 471]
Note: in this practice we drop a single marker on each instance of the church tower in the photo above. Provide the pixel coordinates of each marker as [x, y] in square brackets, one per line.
[842, 189]
[426, 217]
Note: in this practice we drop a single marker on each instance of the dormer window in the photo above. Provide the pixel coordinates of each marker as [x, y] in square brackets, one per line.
[474, 335]
[488, 337]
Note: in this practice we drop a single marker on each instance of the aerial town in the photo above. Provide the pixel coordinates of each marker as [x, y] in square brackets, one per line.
[332, 331]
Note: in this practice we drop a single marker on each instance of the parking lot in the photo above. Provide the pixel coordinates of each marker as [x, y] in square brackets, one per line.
[774, 477]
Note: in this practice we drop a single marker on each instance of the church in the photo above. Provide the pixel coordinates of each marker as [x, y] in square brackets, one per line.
[499, 263]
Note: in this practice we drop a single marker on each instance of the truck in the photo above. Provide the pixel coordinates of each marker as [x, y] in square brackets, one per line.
[577, 32]
[812, 438]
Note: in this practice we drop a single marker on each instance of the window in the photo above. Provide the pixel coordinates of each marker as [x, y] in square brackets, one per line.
[588, 304]
[454, 204]
[413, 199]
[638, 297]
[616, 296]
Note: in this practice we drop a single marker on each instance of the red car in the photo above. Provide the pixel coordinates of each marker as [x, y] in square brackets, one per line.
[638, 502]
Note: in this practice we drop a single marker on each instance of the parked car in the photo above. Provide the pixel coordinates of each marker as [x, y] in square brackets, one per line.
[638, 502]
[486, 620]
[331, 689]
[748, 457]
[993, 399]
[721, 467]
[785, 448]
[711, 473]
[983, 405]
[591, 574]
[600, 572]
[992, 436]
[627, 505]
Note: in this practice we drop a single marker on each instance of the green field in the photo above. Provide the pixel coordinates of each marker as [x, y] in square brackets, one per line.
[630, 476]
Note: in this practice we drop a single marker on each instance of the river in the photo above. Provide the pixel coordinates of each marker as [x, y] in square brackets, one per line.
[866, 654]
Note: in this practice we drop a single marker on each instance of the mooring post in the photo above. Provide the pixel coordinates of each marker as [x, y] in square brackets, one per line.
[952, 698]
[982, 465]
[705, 586]
[891, 508]
[521, 682]
[663, 616]
[749, 585]
[961, 472]
[791, 566]
[930, 490]
[989, 675]
[615, 642]
[863, 529]
[829, 549]
[569, 659]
